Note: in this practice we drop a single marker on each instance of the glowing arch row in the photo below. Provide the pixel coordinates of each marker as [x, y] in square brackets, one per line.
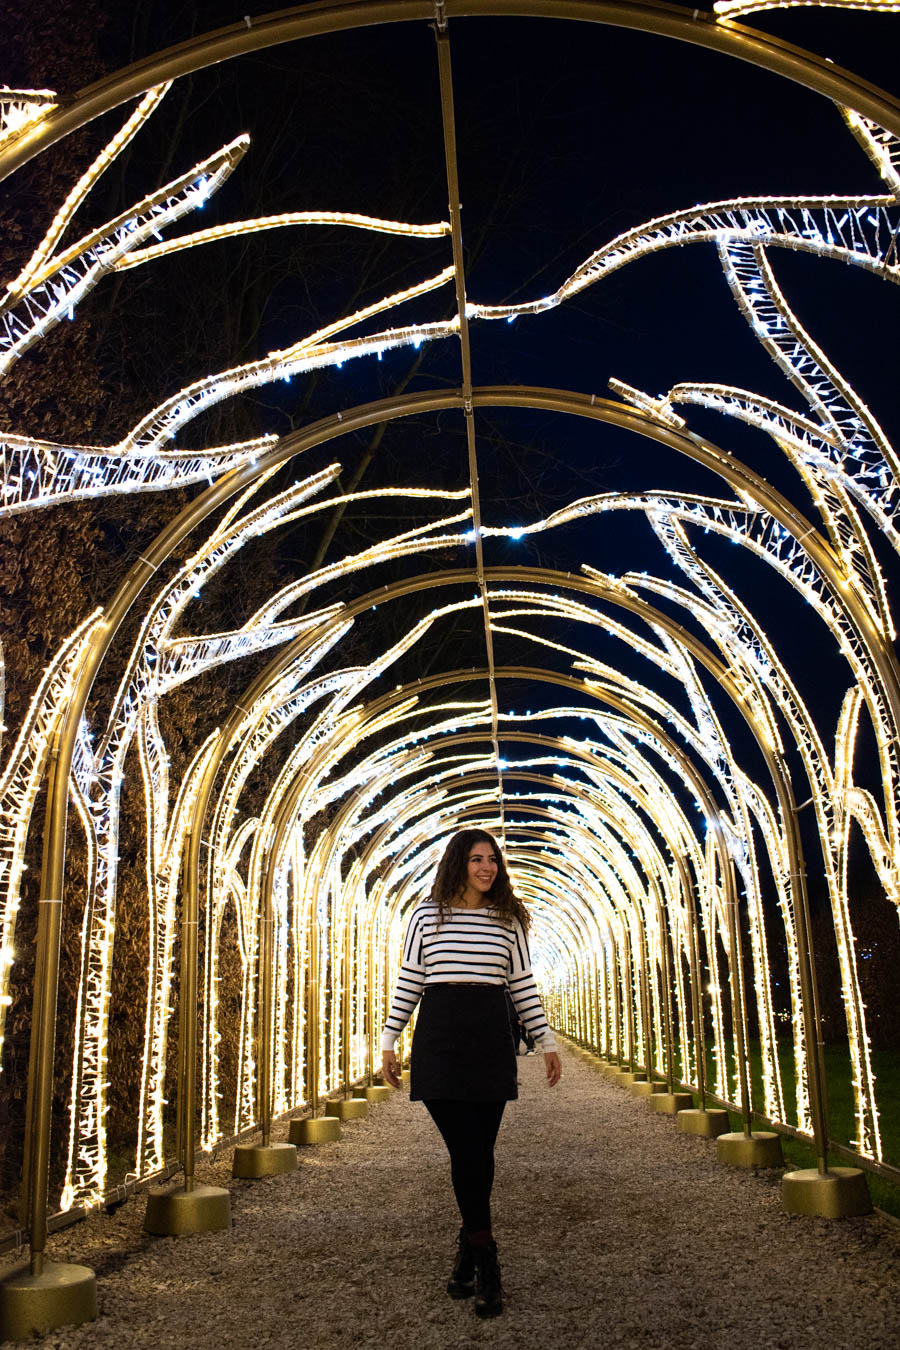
[620, 587]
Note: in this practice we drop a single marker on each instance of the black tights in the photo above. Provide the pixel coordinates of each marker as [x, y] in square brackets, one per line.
[469, 1129]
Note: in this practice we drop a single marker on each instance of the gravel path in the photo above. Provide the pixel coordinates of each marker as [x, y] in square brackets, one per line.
[614, 1230]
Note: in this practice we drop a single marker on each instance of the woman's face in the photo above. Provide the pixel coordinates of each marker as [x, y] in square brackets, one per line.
[481, 868]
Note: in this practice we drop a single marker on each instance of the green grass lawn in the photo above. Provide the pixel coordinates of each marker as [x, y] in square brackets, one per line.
[841, 1115]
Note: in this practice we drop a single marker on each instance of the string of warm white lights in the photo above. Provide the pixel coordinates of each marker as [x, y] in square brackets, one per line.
[882, 147]
[160, 426]
[796, 437]
[20, 784]
[236, 228]
[737, 9]
[41, 266]
[28, 312]
[856, 230]
[40, 473]
[21, 109]
[873, 475]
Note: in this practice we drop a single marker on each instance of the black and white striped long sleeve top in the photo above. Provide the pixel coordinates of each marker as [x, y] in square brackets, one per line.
[472, 946]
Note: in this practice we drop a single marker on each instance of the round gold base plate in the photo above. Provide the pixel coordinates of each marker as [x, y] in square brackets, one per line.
[709, 1123]
[670, 1103]
[628, 1076]
[762, 1148]
[174, 1212]
[645, 1088]
[348, 1108]
[32, 1305]
[315, 1130]
[839, 1193]
[263, 1160]
[376, 1093]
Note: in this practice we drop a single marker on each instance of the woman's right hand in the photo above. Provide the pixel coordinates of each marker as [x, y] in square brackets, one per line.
[390, 1068]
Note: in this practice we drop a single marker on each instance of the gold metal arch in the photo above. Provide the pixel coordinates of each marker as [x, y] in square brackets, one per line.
[304, 21]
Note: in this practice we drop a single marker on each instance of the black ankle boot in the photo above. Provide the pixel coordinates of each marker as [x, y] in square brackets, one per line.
[488, 1292]
[461, 1283]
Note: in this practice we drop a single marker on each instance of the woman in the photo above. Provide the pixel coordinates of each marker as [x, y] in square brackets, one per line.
[465, 947]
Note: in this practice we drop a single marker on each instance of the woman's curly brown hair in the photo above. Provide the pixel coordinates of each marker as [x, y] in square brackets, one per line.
[452, 875]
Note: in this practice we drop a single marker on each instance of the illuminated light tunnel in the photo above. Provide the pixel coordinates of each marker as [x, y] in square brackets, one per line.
[645, 738]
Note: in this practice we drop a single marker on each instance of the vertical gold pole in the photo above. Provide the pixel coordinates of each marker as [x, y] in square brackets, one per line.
[266, 1005]
[386, 989]
[628, 994]
[738, 1005]
[182, 1035]
[346, 960]
[644, 994]
[370, 1000]
[812, 1021]
[187, 1001]
[187, 1014]
[312, 1015]
[265, 1159]
[43, 1026]
[667, 996]
[580, 1029]
[599, 1020]
[696, 997]
[191, 1208]
[614, 978]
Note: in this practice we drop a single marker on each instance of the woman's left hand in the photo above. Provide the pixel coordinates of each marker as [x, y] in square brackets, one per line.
[554, 1068]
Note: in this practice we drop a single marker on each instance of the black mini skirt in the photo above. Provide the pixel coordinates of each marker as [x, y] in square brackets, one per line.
[462, 1046]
